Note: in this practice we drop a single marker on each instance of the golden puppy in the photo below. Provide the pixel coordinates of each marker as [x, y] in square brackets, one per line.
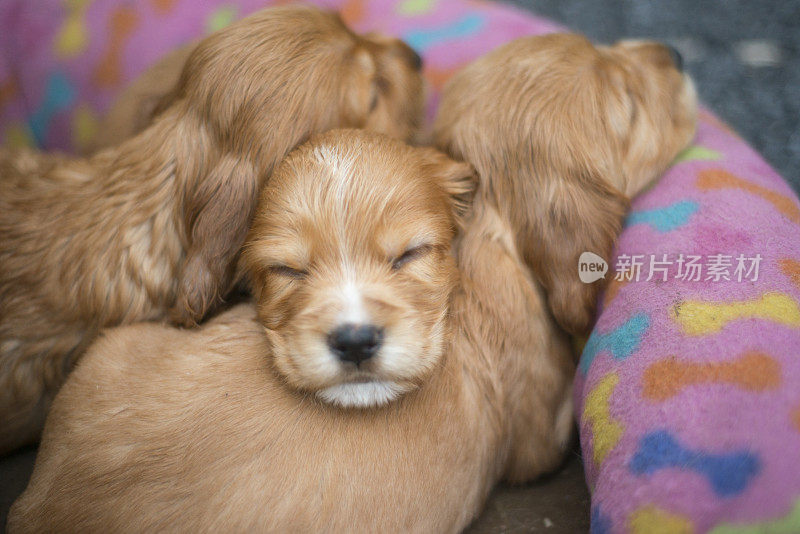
[151, 92]
[349, 260]
[133, 110]
[160, 429]
[562, 134]
[152, 228]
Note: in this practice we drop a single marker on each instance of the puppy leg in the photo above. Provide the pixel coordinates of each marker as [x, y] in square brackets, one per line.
[507, 306]
[539, 446]
[579, 217]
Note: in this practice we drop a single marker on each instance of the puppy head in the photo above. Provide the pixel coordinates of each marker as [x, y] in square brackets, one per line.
[571, 133]
[349, 255]
[389, 79]
[249, 94]
[652, 109]
[293, 71]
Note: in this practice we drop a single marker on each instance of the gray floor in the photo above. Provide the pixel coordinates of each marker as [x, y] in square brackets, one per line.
[558, 504]
[744, 56]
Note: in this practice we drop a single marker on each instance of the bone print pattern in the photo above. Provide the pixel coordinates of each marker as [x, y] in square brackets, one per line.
[708, 398]
[688, 392]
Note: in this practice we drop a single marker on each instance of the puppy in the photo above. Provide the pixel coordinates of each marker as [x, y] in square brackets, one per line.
[151, 93]
[562, 134]
[350, 264]
[274, 418]
[152, 228]
[133, 110]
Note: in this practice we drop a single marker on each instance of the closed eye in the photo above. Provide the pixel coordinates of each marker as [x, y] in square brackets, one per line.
[290, 272]
[410, 255]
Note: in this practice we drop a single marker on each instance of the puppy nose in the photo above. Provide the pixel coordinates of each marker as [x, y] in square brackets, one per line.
[355, 343]
[676, 56]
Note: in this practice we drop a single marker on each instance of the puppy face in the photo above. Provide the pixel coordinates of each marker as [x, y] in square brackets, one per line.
[573, 131]
[651, 109]
[248, 95]
[350, 259]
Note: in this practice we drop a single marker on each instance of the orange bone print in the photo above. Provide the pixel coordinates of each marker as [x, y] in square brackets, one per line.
[353, 12]
[438, 78]
[721, 179]
[8, 90]
[753, 371]
[163, 6]
[791, 268]
[123, 21]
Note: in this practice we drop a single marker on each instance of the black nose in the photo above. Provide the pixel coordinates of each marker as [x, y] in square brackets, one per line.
[676, 56]
[355, 343]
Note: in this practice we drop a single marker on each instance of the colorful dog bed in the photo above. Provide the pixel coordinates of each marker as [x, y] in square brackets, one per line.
[688, 391]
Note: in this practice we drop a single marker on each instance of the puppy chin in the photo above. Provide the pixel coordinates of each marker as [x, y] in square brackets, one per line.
[362, 394]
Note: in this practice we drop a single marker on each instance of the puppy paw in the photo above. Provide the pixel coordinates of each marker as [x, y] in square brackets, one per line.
[573, 305]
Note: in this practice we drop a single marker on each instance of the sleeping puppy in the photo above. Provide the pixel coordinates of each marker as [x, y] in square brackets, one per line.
[133, 110]
[277, 418]
[151, 93]
[152, 228]
[563, 134]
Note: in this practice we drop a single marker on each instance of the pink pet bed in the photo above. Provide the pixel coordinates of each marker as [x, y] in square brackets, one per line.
[688, 391]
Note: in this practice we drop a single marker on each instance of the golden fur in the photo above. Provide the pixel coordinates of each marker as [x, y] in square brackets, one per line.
[346, 235]
[225, 428]
[151, 92]
[160, 429]
[563, 134]
[133, 110]
[151, 228]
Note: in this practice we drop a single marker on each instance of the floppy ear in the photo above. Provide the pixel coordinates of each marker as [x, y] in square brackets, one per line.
[217, 211]
[458, 179]
[578, 217]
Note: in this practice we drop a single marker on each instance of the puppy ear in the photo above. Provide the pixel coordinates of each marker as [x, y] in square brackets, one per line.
[458, 179]
[217, 210]
[579, 217]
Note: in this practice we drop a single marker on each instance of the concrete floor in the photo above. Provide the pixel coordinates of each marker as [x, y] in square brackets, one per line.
[15, 470]
[558, 504]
